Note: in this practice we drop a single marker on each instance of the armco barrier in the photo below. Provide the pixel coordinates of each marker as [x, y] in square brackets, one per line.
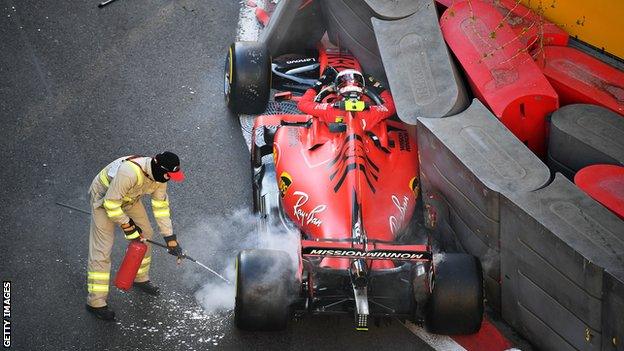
[470, 159]
[582, 135]
[420, 70]
[556, 246]
[499, 70]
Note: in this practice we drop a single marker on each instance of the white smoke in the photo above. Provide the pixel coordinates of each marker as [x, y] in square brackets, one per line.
[215, 242]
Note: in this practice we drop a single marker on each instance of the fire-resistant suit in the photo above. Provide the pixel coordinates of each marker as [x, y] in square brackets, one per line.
[115, 198]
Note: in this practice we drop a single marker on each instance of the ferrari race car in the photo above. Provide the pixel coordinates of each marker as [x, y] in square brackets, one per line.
[351, 195]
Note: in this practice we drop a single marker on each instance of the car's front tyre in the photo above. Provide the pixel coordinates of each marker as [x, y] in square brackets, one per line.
[247, 77]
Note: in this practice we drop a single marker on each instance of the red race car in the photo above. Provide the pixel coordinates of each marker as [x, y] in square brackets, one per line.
[348, 187]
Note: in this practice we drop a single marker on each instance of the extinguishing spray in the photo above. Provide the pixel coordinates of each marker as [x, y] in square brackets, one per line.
[130, 265]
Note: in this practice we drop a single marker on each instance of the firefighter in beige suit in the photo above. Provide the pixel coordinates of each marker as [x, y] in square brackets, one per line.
[116, 199]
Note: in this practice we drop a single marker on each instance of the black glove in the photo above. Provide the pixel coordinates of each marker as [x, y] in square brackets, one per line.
[173, 247]
[131, 230]
[373, 84]
[328, 77]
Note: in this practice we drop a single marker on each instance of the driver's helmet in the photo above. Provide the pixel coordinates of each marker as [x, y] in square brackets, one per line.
[349, 83]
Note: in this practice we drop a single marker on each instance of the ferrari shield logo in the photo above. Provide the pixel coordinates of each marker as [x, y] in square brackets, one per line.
[284, 183]
[413, 185]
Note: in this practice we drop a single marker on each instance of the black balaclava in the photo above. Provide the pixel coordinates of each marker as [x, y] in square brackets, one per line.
[164, 163]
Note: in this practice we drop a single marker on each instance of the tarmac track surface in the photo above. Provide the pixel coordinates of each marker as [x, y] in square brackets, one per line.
[80, 86]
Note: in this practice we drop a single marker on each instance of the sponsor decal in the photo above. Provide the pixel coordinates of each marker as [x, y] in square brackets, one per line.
[396, 221]
[381, 108]
[322, 106]
[404, 142]
[301, 60]
[376, 254]
[284, 183]
[304, 216]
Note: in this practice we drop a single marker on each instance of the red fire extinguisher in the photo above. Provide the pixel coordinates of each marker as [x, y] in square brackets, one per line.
[130, 265]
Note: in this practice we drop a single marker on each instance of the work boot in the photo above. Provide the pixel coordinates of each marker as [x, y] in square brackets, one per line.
[103, 313]
[147, 287]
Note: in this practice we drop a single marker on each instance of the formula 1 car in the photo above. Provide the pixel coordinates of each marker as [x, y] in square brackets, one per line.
[351, 196]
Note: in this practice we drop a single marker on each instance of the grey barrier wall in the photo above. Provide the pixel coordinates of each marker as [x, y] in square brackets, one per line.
[582, 135]
[292, 30]
[420, 70]
[557, 245]
[613, 310]
[469, 160]
[349, 26]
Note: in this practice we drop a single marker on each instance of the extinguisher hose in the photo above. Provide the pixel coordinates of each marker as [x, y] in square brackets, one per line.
[184, 256]
[148, 240]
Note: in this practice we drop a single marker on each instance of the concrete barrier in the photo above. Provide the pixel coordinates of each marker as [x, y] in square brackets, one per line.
[613, 310]
[420, 69]
[293, 28]
[556, 244]
[470, 159]
[349, 26]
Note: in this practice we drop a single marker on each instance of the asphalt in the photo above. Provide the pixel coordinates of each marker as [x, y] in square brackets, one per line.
[80, 86]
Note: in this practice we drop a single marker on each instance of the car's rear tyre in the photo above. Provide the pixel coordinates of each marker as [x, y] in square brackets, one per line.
[265, 289]
[456, 302]
[247, 77]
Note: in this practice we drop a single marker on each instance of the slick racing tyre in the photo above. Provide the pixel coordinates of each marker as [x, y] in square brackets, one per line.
[265, 289]
[456, 302]
[247, 78]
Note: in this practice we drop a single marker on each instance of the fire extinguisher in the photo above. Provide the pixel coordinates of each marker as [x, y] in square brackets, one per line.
[130, 265]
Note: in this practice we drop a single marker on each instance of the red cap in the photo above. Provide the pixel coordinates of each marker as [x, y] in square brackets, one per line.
[167, 163]
[177, 176]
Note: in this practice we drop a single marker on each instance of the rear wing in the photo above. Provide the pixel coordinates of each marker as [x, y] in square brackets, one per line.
[376, 251]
